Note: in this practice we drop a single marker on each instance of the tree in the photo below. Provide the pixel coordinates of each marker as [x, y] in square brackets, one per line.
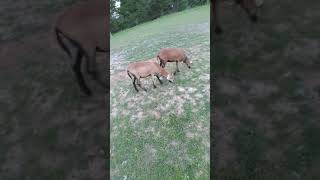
[133, 12]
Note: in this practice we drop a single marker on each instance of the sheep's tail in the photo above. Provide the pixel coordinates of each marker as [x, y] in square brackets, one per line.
[60, 42]
[129, 74]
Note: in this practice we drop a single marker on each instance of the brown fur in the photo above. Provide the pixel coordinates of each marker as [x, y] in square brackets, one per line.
[86, 26]
[143, 69]
[173, 55]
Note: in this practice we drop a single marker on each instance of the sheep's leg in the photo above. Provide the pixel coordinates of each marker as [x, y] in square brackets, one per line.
[153, 78]
[92, 68]
[129, 74]
[159, 79]
[91, 64]
[139, 83]
[79, 76]
[177, 68]
[134, 84]
[163, 64]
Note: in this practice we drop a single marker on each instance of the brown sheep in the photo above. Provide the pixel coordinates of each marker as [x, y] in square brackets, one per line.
[173, 55]
[143, 69]
[86, 27]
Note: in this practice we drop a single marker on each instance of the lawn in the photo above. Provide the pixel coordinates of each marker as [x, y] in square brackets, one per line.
[49, 130]
[162, 133]
[266, 120]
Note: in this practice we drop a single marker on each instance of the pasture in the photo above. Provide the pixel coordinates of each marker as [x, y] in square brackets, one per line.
[162, 133]
[48, 129]
[266, 121]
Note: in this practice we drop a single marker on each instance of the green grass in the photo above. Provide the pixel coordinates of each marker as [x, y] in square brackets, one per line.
[270, 143]
[175, 155]
[164, 24]
[174, 145]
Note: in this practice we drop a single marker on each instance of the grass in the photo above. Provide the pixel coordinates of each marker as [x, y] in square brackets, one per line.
[164, 132]
[45, 133]
[268, 142]
[163, 25]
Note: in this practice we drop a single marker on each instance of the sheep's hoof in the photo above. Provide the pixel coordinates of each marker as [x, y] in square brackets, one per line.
[154, 86]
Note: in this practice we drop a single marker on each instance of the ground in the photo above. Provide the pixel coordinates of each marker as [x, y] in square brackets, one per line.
[266, 100]
[48, 129]
[266, 124]
[162, 133]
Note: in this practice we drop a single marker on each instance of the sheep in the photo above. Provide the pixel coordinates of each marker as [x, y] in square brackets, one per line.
[173, 55]
[86, 27]
[143, 69]
[250, 6]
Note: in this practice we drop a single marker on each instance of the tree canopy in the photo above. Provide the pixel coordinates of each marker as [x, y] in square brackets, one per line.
[133, 12]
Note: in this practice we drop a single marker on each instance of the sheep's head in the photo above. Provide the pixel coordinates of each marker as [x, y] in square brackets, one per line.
[170, 77]
[188, 62]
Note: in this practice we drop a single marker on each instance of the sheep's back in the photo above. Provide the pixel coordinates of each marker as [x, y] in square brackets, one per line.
[86, 22]
[171, 54]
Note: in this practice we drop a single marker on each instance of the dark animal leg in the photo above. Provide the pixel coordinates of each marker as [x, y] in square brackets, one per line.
[139, 83]
[177, 68]
[159, 79]
[163, 64]
[134, 84]
[61, 43]
[92, 68]
[129, 74]
[154, 86]
[79, 76]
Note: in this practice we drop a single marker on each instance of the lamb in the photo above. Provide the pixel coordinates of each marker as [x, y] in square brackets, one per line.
[173, 55]
[86, 27]
[143, 69]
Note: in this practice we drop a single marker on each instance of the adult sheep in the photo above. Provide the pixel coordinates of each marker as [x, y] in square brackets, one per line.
[173, 55]
[143, 69]
[86, 27]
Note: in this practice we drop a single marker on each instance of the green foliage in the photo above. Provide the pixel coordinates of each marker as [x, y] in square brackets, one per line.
[133, 12]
